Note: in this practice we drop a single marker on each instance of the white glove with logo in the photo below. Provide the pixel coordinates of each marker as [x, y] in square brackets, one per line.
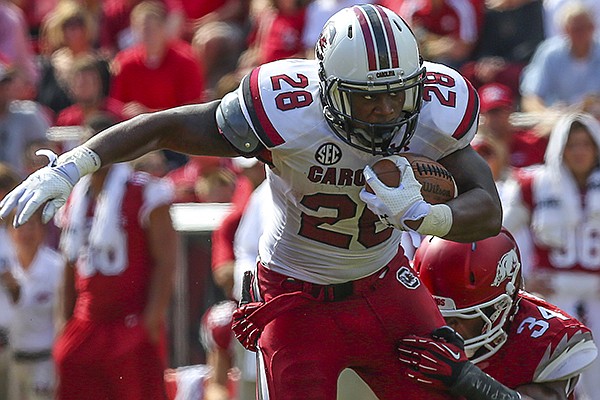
[394, 206]
[51, 184]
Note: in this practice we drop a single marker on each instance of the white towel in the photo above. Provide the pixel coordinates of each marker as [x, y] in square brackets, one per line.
[107, 242]
[556, 195]
[551, 224]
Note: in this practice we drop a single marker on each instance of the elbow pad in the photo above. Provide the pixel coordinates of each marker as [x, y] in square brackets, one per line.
[234, 126]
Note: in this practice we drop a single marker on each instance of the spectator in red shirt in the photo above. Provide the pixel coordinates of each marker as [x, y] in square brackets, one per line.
[194, 14]
[68, 33]
[278, 32]
[157, 73]
[525, 147]
[446, 30]
[85, 89]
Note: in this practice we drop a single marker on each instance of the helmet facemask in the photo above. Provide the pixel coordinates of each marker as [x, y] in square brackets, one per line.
[495, 314]
[375, 138]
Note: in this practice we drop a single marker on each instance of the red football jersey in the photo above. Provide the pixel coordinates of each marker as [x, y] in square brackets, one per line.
[539, 334]
[115, 295]
[579, 256]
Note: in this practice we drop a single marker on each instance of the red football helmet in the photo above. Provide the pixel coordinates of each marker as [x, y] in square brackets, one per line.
[473, 280]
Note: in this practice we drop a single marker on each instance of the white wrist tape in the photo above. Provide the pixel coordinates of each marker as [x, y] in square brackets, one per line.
[437, 222]
[86, 160]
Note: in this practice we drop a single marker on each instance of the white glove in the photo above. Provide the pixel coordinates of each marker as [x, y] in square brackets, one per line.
[51, 184]
[395, 206]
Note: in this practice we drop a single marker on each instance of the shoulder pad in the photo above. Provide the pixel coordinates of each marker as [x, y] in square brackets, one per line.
[234, 126]
[571, 356]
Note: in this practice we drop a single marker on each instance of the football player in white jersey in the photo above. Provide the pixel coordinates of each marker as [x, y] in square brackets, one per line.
[333, 288]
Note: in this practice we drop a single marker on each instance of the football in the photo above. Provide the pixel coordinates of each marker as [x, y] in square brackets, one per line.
[437, 183]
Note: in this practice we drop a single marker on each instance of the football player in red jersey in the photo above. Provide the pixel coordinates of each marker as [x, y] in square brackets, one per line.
[120, 245]
[523, 342]
[333, 288]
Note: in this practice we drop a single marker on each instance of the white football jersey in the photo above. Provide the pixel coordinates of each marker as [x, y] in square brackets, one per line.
[32, 327]
[320, 230]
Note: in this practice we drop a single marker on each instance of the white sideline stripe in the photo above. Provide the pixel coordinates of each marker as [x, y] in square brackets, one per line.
[262, 389]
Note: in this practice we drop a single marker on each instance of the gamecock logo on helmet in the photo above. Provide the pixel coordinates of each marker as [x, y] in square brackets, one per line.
[325, 39]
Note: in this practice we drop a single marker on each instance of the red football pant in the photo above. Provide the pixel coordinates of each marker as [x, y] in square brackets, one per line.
[303, 350]
[108, 360]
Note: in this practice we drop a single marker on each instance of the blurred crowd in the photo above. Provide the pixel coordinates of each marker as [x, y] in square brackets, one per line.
[66, 63]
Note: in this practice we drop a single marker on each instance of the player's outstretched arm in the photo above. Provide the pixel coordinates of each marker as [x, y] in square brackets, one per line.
[189, 129]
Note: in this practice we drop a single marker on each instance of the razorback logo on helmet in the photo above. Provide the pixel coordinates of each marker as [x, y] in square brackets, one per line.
[325, 39]
[406, 277]
[507, 267]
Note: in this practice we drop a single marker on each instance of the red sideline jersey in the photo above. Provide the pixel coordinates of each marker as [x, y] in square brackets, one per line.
[544, 344]
[579, 255]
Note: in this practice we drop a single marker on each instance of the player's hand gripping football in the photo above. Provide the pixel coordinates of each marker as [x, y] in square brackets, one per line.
[395, 205]
[435, 361]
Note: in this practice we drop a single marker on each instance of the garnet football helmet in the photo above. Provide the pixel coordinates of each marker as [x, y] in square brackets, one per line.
[474, 280]
[368, 49]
